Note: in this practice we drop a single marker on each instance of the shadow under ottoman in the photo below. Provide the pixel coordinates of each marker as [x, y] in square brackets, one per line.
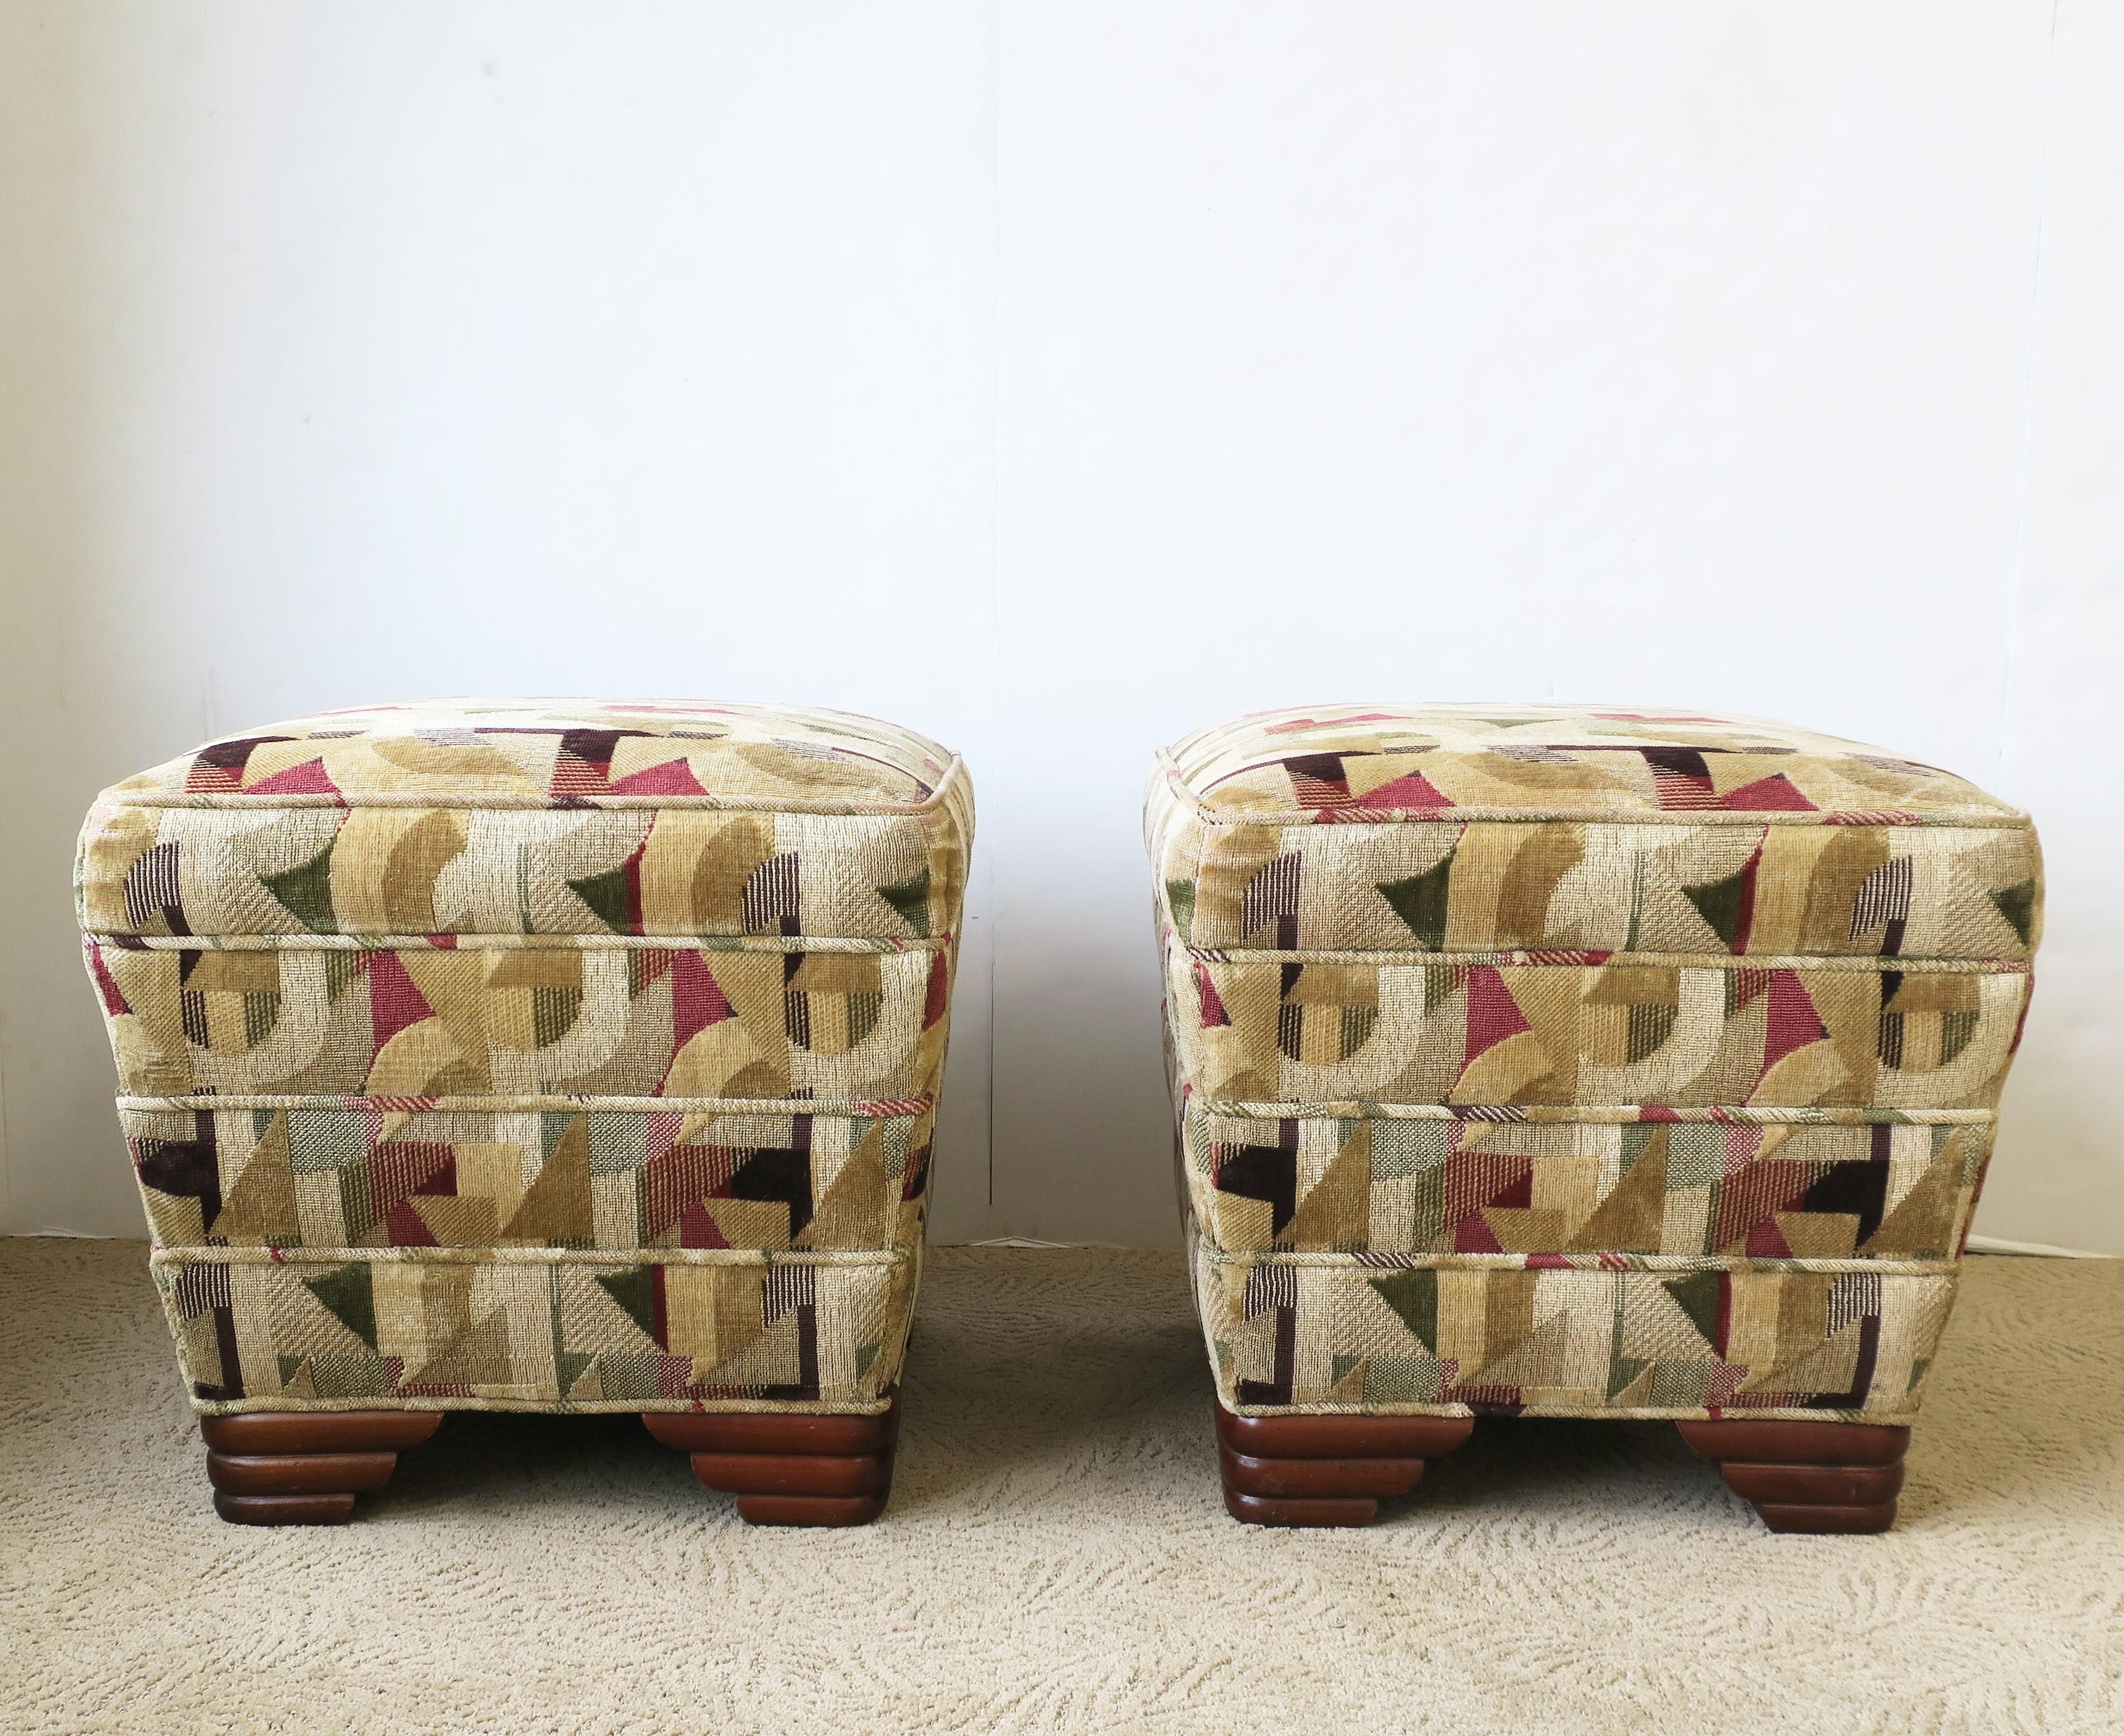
[556, 1056]
[1534, 1061]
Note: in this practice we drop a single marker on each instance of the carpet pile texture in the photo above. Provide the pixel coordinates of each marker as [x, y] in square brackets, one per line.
[1054, 1557]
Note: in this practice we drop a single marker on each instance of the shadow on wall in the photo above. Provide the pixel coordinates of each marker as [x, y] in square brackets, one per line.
[83, 658]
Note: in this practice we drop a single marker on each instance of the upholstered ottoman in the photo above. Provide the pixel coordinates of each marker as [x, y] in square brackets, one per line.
[1594, 1064]
[543, 1056]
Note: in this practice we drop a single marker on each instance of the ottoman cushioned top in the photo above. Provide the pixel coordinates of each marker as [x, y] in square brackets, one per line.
[549, 817]
[1465, 828]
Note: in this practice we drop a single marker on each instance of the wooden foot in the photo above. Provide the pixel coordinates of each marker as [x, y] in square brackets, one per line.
[1840, 1477]
[1326, 1469]
[789, 1467]
[304, 1467]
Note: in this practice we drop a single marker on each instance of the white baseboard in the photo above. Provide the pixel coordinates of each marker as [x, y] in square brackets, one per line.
[1034, 1241]
[1999, 1245]
[1977, 1245]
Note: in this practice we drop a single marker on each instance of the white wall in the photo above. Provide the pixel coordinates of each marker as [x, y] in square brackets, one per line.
[1055, 379]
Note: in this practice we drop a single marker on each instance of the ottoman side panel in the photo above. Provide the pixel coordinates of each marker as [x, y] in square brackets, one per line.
[439, 1018]
[389, 871]
[1593, 1028]
[1678, 1338]
[1665, 886]
[558, 1173]
[1360, 1179]
[504, 1328]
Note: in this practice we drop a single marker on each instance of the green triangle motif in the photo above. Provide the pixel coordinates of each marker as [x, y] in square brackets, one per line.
[1180, 896]
[345, 1294]
[634, 1290]
[1413, 1295]
[2017, 903]
[1622, 1370]
[606, 894]
[1696, 1296]
[306, 892]
[866, 1354]
[1420, 901]
[1720, 905]
[342, 971]
[568, 1366]
[910, 898]
[1636, 1136]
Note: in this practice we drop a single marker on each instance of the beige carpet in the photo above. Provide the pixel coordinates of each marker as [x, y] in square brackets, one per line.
[1054, 1558]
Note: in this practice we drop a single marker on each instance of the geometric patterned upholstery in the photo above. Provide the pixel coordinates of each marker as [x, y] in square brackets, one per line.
[1575, 1062]
[559, 1055]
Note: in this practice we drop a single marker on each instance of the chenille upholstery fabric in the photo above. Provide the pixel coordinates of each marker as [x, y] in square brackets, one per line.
[555, 1055]
[1580, 1061]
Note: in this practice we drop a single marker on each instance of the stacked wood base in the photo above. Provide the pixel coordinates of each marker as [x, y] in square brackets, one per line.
[1325, 1470]
[1808, 1476]
[305, 1467]
[791, 1468]
[301, 1467]
[795, 1468]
